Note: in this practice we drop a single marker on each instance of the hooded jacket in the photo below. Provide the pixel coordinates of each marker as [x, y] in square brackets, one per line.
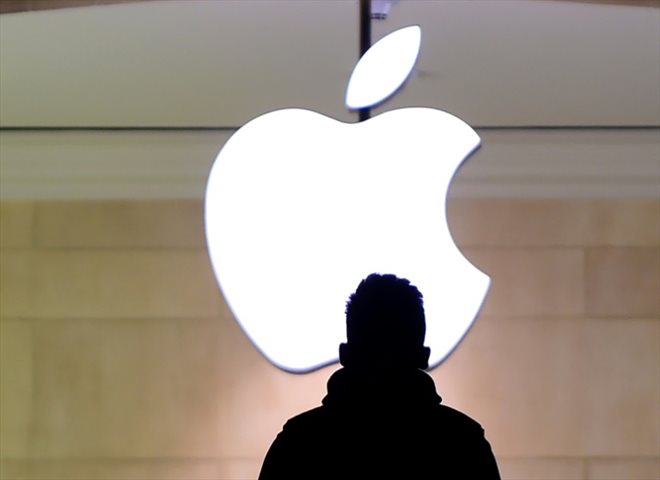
[381, 425]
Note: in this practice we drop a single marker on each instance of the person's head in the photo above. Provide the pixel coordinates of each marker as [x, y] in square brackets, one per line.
[385, 325]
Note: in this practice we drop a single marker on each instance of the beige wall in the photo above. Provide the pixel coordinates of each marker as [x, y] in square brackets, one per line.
[120, 360]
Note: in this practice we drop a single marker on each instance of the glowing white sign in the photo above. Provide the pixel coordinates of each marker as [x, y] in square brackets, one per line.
[300, 207]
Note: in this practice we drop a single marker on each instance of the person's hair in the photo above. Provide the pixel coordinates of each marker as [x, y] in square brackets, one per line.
[385, 320]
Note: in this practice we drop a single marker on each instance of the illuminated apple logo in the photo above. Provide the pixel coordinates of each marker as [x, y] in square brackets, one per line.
[300, 207]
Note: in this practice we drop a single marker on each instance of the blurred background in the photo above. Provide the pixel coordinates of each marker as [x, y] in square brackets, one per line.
[119, 358]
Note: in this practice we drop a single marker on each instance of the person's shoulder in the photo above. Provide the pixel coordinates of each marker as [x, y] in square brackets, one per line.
[309, 429]
[306, 419]
[455, 418]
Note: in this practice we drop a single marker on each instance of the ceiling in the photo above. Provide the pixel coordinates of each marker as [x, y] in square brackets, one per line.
[495, 63]
[13, 6]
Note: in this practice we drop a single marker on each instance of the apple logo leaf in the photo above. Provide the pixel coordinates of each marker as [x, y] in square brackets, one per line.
[384, 68]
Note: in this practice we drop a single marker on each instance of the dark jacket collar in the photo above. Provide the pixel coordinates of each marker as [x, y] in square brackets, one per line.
[348, 387]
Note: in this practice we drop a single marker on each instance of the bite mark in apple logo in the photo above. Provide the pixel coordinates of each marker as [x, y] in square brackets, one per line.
[300, 207]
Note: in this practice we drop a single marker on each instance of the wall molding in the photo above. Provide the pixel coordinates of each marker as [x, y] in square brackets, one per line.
[152, 164]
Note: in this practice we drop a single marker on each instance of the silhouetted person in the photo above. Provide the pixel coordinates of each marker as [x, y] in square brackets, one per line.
[382, 417]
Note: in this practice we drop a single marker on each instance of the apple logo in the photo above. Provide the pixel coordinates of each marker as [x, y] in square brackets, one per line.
[300, 207]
